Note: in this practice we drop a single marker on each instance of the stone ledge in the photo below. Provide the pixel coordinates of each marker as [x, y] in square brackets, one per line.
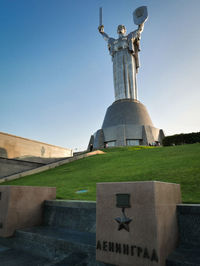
[188, 208]
[71, 203]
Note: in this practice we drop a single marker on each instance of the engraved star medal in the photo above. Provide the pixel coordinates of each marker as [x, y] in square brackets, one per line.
[123, 221]
[123, 201]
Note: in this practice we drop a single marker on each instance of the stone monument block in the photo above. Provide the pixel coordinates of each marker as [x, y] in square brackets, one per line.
[21, 206]
[136, 222]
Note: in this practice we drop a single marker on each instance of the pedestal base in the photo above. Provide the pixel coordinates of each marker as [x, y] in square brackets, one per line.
[126, 123]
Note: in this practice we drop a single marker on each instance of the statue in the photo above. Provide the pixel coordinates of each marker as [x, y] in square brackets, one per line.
[124, 52]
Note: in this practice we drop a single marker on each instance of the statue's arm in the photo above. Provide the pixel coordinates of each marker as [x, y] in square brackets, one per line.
[134, 43]
[136, 34]
[140, 30]
[135, 38]
[105, 35]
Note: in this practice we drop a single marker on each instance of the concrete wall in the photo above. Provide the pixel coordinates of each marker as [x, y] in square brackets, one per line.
[17, 147]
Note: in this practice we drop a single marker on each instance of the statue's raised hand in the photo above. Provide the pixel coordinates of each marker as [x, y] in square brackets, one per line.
[101, 29]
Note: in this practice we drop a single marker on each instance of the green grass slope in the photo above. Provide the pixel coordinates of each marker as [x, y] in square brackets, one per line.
[177, 164]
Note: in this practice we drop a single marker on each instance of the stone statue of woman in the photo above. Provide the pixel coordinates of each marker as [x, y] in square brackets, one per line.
[124, 52]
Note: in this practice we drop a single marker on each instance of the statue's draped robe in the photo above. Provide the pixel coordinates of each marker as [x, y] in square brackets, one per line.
[125, 63]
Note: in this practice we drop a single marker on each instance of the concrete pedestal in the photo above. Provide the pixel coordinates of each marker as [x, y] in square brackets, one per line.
[21, 207]
[144, 232]
[126, 123]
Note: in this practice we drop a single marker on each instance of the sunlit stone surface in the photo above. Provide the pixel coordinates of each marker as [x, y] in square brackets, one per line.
[145, 232]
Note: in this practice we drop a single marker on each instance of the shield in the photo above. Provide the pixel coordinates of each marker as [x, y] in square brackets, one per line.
[140, 15]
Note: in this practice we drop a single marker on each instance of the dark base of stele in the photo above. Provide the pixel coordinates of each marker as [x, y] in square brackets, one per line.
[126, 123]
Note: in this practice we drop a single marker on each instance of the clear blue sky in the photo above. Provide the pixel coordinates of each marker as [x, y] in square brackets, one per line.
[56, 73]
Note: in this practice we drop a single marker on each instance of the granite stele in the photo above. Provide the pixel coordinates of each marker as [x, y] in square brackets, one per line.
[127, 122]
[136, 223]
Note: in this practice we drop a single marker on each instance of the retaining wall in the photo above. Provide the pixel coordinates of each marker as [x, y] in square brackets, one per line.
[17, 147]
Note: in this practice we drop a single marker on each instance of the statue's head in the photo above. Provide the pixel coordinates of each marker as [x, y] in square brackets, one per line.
[121, 30]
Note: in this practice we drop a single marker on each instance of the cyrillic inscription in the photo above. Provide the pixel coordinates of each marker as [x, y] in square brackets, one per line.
[128, 250]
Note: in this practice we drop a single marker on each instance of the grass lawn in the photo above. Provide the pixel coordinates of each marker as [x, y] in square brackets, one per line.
[177, 164]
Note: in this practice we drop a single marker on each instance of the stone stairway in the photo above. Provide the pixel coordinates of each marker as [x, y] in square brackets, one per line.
[67, 237]
[188, 251]
[44, 167]
[12, 257]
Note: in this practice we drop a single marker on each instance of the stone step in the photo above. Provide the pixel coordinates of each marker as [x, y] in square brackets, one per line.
[60, 245]
[14, 257]
[11, 257]
[67, 236]
[73, 215]
[54, 242]
[188, 251]
[184, 256]
[17, 257]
